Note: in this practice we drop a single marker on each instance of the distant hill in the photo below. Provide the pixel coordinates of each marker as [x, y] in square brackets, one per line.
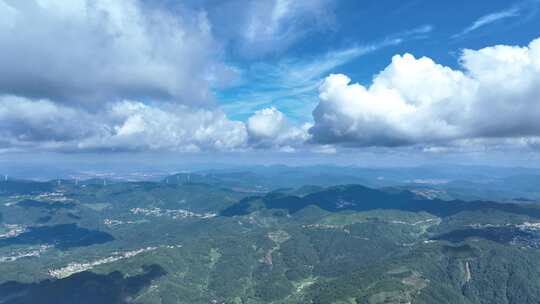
[360, 198]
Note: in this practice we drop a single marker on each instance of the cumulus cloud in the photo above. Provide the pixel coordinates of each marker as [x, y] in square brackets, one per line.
[93, 52]
[136, 126]
[417, 101]
[128, 125]
[122, 126]
[270, 128]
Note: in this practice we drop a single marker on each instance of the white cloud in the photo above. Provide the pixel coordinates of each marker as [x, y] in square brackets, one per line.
[93, 52]
[490, 18]
[527, 7]
[281, 22]
[136, 126]
[128, 125]
[122, 126]
[270, 128]
[416, 101]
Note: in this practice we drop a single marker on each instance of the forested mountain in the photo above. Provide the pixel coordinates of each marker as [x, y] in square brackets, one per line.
[203, 242]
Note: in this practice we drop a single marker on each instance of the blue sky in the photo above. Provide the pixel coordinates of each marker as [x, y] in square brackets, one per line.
[332, 79]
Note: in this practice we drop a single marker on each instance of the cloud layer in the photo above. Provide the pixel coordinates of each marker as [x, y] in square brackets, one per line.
[121, 126]
[128, 125]
[417, 101]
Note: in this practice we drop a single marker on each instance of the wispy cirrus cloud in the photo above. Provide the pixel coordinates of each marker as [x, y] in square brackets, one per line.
[261, 28]
[514, 11]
